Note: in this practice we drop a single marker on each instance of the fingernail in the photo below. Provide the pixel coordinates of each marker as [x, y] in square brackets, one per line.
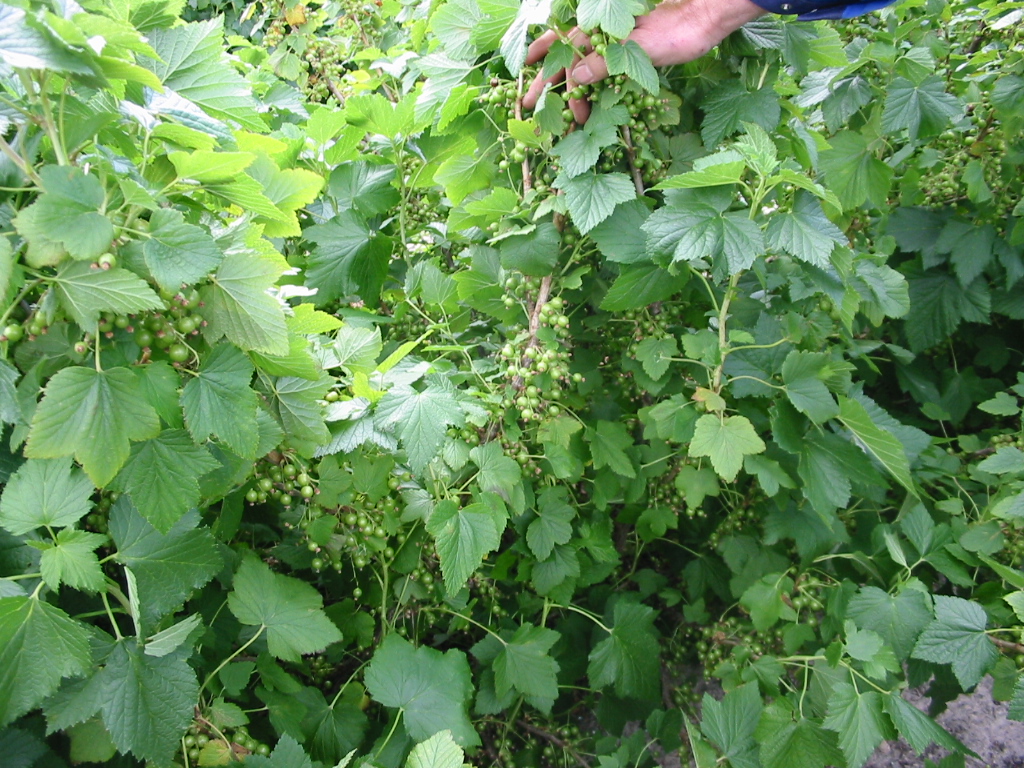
[583, 75]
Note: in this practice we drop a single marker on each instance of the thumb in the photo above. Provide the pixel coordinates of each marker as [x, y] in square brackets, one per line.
[591, 69]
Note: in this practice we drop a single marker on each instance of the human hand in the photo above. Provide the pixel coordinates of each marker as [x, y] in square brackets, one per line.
[675, 32]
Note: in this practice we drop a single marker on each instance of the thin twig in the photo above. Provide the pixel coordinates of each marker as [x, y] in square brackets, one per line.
[554, 740]
[638, 179]
[518, 110]
[542, 298]
[1006, 645]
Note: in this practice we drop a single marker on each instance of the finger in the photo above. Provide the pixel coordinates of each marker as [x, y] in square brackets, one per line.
[591, 69]
[539, 48]
[580, 107]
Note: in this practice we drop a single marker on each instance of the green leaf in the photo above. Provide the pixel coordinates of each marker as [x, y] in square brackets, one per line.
[725, 440]
[524, 664]
[45, 493]
[85, 291]
[162, 476]
[535, 253]
[922, 109]
[171, 639]
[580, 150]
[206, 166]
[553, 524]
[497, 472]
[289, 189]
[290, 610]
[805, 232]
[30, 48]
[350, 259]
[338, 727]
[720, 169]
[67, 215]
[803, 374]
[166, 566]
[194, 64]
[39, 646]
[219, 401]
[939, 303]
[695, 229]
[287, 754]
[629, 658]
[881, 444]
[93, 415]
[148, 701]
[177, 253]
[853, 172]
[1006, 460]
[763, 600]
[730, 105]
[803, 744]
[439, 751]
[513, 42]
[239, 307]
[957, 637]
[655, 355]
[620, 237]
[1003, 404]
[421, 419]
[592, 197]
[640, 286]
[917, 728]
[616, 17]
[898, 619]
[731, 722]
[630, 59]
[609, 442]
[72, 560]
[464, 536]
[432, 689]
[859, 720]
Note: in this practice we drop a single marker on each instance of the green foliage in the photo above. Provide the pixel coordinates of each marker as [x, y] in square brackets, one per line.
[355, 415]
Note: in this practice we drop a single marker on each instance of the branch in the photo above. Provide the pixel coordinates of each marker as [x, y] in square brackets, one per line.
[563, 745]
[638, 179]
[1006, 645]
[542, 298]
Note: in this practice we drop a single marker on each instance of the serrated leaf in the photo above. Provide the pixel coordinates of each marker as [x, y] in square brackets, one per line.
[439, 751]
[730, 105]
[148, 701]
[620, 237]
[640, 286]
[853, 172]
[239, 307]
[580, 150]
[67, 215]
[45, 493]
[464, 536]
[957, 637]
[93, 415]
[290, 610]
[803, 374]
[609, 442]
[497, 472]
[39, 646]
[72, 560]
[801, 744]
[421, 419]
[881, 444]
[535, 253]
[725, 440]
[925, 108]
[207, 166]
[553, 524]
[337, 727]
[720, 169]
[177, 253]
[432, 689]
[513, 42]
[592, 197]
[898, 619]
[629, 658]
[85, 291]
[219, 401]
[162, 476]
[859, 720]
[731, 722]
[630, 59]
[939, 304]
[616, 17]
[166, 566]
[694, 230]
[805, 232]
[350, 259]
[171, 639]
[917, 728]
[524, 664]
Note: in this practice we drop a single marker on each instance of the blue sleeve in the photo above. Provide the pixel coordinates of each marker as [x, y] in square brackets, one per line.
[821, 9]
